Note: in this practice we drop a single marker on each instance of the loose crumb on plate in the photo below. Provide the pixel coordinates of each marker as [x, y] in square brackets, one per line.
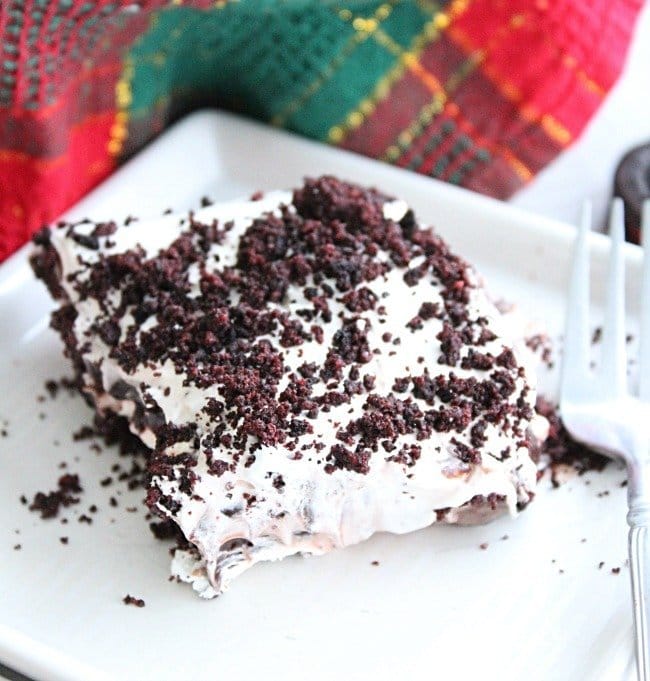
[542, 346]
[132, 600]
[48, 504]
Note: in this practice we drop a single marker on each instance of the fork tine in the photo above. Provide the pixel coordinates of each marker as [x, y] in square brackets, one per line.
[576, 339]
[644, 350]
[614, 362]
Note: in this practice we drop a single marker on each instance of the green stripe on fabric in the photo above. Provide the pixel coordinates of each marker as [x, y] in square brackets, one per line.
[481, 156]
[255, 58]
[434, 141]
[463, 143]
[405, 22]
[343, 91]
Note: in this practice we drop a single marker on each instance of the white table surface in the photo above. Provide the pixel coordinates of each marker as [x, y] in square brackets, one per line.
[586, 170]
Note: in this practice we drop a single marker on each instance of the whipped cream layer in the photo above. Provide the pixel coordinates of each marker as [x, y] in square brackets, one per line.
[308, 369]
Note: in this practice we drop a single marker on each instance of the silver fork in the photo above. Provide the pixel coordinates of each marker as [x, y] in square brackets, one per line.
[597, 407]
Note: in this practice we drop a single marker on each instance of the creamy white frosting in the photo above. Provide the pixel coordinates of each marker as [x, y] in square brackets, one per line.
[314, 511]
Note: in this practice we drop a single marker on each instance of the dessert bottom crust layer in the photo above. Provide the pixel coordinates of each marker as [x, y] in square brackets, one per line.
[237, 555]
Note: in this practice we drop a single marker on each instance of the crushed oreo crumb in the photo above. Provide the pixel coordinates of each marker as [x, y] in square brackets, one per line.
[48, 504]
[132, 600]
[562, 450]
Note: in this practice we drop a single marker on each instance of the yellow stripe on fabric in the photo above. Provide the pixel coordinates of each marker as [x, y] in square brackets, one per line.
[570, 62]
[406, 59]
[406, 137]
[440, 93]
[551, 126]
[440, 97]
[119, 131]
[366, 107]
[123, 97]
[364, 27]
[590, 84]
[280, 118]
[555, 130]
[493, 147]
[123, 89]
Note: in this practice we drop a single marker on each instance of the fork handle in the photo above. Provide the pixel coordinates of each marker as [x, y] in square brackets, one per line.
[639, 547]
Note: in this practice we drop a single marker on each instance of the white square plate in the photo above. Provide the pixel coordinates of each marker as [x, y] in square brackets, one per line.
[436, 607]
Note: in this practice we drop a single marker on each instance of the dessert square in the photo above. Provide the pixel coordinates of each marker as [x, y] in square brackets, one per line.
[307, 367]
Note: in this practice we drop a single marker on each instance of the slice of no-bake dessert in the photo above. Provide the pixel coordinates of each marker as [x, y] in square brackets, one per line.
[308, 368]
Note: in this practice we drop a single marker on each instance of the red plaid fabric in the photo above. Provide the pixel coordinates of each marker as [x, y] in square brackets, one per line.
[480, 93]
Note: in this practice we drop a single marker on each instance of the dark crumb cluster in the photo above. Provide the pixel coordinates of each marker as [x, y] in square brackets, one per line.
[110, 431]
[53, 387]
[560, 449]
[166, 529]
[48, 504]
[541, 345]
[132, 600]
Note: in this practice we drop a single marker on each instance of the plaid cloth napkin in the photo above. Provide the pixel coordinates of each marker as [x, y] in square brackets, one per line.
[480, 93]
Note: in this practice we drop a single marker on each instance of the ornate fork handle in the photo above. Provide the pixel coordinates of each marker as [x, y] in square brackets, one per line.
[638, 519]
